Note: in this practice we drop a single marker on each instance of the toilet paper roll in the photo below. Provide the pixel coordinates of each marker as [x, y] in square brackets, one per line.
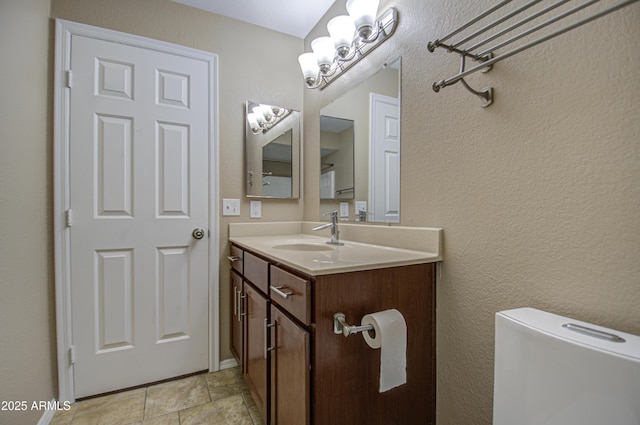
[391, 337]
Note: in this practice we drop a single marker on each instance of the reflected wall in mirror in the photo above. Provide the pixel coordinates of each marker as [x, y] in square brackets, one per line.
[272, 151]
[336, 158]
[360, 150]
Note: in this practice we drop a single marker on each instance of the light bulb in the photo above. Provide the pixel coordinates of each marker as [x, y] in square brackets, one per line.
[325, 51]
[257, 113]
[363, 13]
[253, 122]
[342, 31]
[309, 65]
[267, 112]
[278, 111]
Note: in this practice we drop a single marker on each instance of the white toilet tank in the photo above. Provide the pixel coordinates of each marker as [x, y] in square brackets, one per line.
[552, 370]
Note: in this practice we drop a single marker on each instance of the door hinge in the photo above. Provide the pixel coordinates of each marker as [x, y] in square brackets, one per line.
[69, 79]
[72, 355]
[69, 217]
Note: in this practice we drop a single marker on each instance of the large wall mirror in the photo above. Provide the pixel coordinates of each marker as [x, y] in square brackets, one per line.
[272, 151]
[360, 150]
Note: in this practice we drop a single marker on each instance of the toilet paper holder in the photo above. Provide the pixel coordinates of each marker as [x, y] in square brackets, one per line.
[340, 326]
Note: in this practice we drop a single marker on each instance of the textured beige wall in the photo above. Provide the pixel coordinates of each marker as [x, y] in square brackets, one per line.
[247, 70]
[27, 328]
[538, 195]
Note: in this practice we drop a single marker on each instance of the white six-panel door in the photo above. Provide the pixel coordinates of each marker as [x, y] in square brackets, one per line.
[138, 187]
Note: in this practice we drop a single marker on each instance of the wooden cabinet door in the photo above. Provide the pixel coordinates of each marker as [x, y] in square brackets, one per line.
[346, 371]
[237, 316]
[290, 371]
[255, 370]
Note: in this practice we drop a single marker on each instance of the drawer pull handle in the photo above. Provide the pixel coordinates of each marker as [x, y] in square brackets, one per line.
[267, 325]
[234, 258]
[279, 290]
[235, 302]
[238, 298]
[241, 308]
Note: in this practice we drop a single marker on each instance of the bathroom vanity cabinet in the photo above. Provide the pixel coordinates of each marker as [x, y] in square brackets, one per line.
[299, 371]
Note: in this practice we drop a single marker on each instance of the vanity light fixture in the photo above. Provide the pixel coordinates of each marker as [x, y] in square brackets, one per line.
[262, 118]
[351, 37]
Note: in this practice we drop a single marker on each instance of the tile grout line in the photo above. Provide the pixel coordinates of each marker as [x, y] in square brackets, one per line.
[144, 407]
[179, 416]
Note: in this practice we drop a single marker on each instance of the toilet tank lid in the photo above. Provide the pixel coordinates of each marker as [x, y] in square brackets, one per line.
[552, 324]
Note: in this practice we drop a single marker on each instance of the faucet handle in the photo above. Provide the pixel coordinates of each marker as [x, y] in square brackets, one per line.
[332, 213]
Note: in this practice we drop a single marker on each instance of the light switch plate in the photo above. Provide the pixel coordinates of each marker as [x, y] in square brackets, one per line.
[230, 207]
[256, 209]
[361, 206]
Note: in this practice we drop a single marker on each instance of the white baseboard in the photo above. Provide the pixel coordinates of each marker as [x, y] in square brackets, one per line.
[48, 415]
[228, 364]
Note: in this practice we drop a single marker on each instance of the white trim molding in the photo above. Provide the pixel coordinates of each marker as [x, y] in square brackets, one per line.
[228, 364]
[48, 415]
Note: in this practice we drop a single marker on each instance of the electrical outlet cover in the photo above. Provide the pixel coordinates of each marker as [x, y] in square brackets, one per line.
[256, 209]
[344, 209]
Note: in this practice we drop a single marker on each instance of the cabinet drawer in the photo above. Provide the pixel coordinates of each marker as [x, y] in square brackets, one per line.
[292, 293]
[236, 258]
[256, 271]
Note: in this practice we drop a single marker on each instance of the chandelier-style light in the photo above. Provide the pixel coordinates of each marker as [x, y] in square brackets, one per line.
[351, 37]
[262, 118]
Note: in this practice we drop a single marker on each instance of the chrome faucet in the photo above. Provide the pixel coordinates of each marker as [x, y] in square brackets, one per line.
[335, 233]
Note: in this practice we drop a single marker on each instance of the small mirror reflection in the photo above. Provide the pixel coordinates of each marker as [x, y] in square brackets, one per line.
[336, 153]
[272, 151]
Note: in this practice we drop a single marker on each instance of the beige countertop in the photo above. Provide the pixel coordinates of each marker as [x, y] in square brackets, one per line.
[312, 255]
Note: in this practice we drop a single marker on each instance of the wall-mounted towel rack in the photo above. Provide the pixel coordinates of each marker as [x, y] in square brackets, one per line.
[266, 174]
[469, 46]
[326, 166]
[341, 191]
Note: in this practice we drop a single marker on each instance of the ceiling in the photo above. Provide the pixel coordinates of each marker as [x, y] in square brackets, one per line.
[293, 17]
[334, 125]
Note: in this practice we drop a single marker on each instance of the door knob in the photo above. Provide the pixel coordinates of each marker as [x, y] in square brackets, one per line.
[198, 233]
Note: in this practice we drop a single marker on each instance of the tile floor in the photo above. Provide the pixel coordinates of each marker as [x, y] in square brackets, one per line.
[219, 398]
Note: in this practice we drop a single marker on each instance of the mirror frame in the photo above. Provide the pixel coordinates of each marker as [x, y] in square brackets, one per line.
[289, 122]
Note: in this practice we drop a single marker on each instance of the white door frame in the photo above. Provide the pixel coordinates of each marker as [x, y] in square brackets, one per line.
[64, 31]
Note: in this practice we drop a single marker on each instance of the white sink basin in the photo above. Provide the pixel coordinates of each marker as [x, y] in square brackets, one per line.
[303, 247]
[317, 251]
[321, 252]
[355, 253]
